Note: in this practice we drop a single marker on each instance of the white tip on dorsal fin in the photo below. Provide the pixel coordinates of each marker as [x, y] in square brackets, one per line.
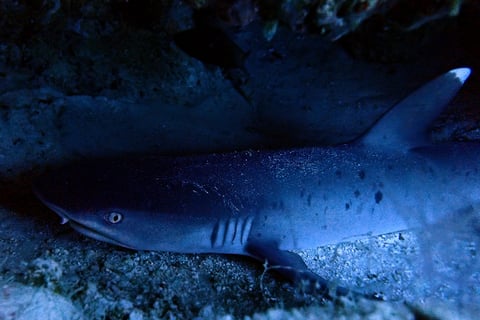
[405, 125]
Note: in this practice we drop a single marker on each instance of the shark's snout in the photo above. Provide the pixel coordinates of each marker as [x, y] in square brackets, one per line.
[48, 200]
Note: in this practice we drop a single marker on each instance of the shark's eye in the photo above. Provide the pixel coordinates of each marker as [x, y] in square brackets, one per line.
[114, 217]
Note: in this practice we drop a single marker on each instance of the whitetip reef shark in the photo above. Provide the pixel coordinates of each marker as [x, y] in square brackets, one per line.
[264, 203]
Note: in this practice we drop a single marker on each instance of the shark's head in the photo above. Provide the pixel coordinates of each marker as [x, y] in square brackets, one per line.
[102, 200]
[83, 200]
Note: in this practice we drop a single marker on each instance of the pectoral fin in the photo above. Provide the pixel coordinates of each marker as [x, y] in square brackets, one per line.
[290, 266]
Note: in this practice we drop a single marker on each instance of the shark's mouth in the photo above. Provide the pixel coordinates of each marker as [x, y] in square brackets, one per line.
[92, 233]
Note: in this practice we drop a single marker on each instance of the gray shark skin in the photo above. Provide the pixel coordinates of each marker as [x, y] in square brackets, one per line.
[264, 203]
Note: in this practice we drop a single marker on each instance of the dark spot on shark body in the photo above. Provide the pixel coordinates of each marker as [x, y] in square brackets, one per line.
[357, 193]
[338, 174]
[361, 174]
[378, 197]
[347, 206]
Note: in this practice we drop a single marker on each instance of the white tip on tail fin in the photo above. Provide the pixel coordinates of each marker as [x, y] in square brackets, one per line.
[405, 125]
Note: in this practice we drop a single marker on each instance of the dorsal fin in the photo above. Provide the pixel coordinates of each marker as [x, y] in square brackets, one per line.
[405, 125]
